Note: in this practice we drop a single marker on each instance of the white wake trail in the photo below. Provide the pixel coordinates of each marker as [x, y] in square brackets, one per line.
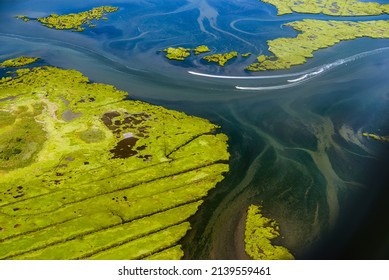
[269, 87]
[305, 75]
[243, 77]
[310, 74]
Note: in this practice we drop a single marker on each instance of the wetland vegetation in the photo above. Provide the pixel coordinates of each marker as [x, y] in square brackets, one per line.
[117, 180]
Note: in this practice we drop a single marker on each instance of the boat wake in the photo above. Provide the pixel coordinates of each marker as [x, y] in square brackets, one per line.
[314, 72]
[301, 76]
[242, 77]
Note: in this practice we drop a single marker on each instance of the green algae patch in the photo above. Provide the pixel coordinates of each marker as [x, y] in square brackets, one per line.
[221, 59]
[315, 35]
[19, 61]
[117, 180]
[179, 53]
[329, 7]
[259, 233]
[246, 54]
[73, 21]
[376, 137]
[201, 49]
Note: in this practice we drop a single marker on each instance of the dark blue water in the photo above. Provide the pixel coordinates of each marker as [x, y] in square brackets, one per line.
[296, 147]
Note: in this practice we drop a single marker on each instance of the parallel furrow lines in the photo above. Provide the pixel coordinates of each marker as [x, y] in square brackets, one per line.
[132, 230]
[92, 181]
[179, 191]
[128, 187]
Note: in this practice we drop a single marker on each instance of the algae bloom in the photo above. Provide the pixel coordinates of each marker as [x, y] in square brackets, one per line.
[86, 174]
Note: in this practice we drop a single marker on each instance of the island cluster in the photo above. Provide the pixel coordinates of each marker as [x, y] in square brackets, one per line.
[180, 53]
[313, 34]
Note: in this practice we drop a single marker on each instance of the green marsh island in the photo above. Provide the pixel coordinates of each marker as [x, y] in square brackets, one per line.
[330, 7]
[313, 35]
[220, 58]
[19, 61]
[260, 231]
[86, 174]
[319, 34]
[201, 49]
[180, 53]
[376, 137]
[73, 21]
